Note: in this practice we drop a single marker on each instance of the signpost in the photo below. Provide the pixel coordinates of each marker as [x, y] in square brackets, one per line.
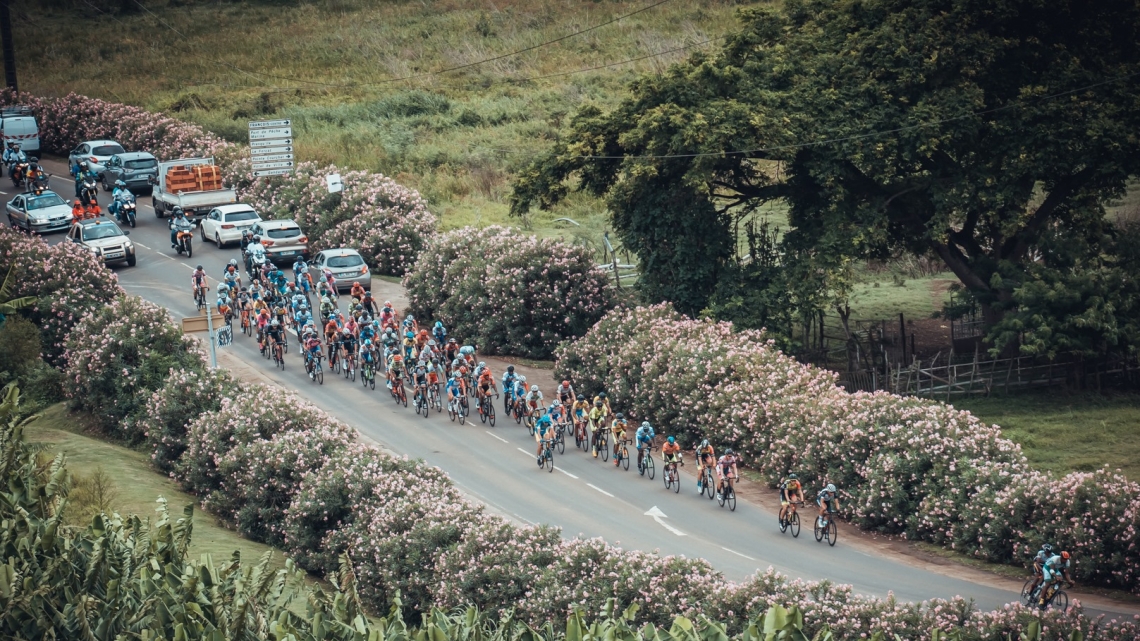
[271, 147]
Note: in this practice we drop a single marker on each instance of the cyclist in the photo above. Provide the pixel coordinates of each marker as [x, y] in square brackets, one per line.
[230, 275]
[263, 321]
[543, 431]
[519, 393]
[330, 281]
[1043, 555]
[274, 334]
[618, 429]
[439, 332]
[828, 501]
[357, 292]
[644, 437]
[605, 402]
[565, 393]
[369, 303]
[422, 339]
[395, 368]
[706, 458]
[485, 382]
[223, 304]
[671, 453]
[432, 373]
[580, 409]
[509, 377]
[790, 492]
[312, 354]
[598, 418]
[367, 354]
[387, 315]
[419, 376]
[451, 350]
[301, 275]
[454, 392]
[301, 318]
[197, 280]
[557, 412]
[332, 330]
[725, 469]
[410, 324]
[409, 345]
[326, 308]
[1055, 569]
[533, 399]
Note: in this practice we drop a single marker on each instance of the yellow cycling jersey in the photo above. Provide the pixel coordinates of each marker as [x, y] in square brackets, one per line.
[580, 406]
[619, 426]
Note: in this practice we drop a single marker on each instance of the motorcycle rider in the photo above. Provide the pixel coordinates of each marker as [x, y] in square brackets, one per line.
[119, 196]
[85, 173]
[253, 251]
[13, 156]
[178, 223]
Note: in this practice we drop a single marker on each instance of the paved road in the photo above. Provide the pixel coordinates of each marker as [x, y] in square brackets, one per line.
[583, 496]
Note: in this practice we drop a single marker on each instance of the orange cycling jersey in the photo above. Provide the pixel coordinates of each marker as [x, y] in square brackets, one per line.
[670, 448]
[486, 378]
[330, 327]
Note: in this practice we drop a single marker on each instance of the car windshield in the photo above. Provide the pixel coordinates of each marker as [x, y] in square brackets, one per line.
[142, 163]
[338, 262]
[107, 150]
[284, 232]
[238, 216]
[44, 201]
[95, 232]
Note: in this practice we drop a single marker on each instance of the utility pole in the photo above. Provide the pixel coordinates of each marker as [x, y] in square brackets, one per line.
[9, 46]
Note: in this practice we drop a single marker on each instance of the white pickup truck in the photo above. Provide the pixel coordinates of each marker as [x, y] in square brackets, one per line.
[195, 204]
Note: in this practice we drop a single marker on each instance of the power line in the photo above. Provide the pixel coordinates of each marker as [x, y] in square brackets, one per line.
[420, 75]
[873, 134]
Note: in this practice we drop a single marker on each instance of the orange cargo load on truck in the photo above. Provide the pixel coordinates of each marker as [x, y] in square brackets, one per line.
[208, 177]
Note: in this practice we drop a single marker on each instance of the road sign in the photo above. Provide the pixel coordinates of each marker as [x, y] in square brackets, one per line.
[272, 165]
[262, 124]
[270, 158]
[254, 144]
[266, 134]
[261, 151]
[271, 147]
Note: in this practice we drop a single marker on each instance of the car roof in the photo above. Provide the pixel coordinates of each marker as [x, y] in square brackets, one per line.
[227, 209]
[100, 142]
[39, 195]
[278, 224]
[136, 155]
[102, 220]
[340, 251]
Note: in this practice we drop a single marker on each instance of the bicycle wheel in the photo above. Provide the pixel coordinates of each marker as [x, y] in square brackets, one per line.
[352, 371]
[482, 407]
[818, 530]
[1027, 591]
[650, 466]
[320, 375]
[667, 478]
[783, 524]
[794, 523]
[549, 455]
[403, 396]
[491, 413]
[462, 411]
[604, 447]
[1059, 601]
[518, 414]
[730, 498]
[832, 532]
[720, 498]
[710, 484]
[560, 443]
[451, 414]
[625, 457]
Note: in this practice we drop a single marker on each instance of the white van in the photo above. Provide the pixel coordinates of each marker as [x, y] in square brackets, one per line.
[18, 125]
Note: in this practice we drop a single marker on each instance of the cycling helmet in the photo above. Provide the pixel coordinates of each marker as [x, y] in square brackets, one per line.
[387, 303]
[431, 342]
[534, 388]
[511, 369]
[1065, 555]
[597, 403]
[199, 267]
[581, 397]
[359, 307]
[439, 324]
[672, 440]
[409, 335]
[326, 299]
[728, 450]
[346, 332]
[601, 394]
[368, 342]
[463, 370]
[274, 322]
[451, 341]
[705, 443]
[619, 416]
[455, 375]
[646, 425]
[522, 379]
[482, 363]
[1048, 548]
[565, 383]
[831, 487]
[556, 403]
[304, 307]
[409, 317]
[793, 477]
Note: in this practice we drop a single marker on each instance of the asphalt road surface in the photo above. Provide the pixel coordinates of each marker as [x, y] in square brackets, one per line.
[584, 496]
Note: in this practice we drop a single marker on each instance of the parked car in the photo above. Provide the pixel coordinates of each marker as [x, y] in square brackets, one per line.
[283, 240]
[105, 239]
[347, 266]
[135, 168]
[96, 153]
[17, 124]
[39, 213]
[226, 223]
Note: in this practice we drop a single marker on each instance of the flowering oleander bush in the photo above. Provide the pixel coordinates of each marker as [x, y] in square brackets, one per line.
[118, 355]
[508, 292]
[67, 121]
[385, 221]
[260, 414]
[261, 478]
[68, 281]
[904, 465]
[186, 395]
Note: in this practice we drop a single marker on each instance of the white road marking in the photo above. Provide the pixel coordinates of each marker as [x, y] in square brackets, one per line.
[600, 490]
[524, 518]
[660, 517]
[525, 452]
[496, 436]
[737, 553]
[144, 246]
[566, 473]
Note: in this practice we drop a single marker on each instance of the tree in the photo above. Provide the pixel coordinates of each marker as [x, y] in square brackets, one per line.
[991, 134]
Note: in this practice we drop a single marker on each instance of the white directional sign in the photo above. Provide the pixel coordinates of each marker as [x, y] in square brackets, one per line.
[272, 165]
[254, 144]
[265, 134]
[271, 147]
[262, 151]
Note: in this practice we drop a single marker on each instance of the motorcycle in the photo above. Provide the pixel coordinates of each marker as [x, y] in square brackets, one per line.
[19, 175]
[38, 181]
[89, 193]
[125, 212]
[255, 264]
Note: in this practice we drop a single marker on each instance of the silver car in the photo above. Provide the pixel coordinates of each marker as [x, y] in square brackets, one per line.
[347, 266]
[102, 237]
[96, 153]
[283, 240]
[41, 214]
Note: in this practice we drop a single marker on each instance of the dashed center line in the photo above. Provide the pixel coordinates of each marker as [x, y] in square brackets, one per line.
[600, 490]
[566, 473]
[737, 553]
[496, 436]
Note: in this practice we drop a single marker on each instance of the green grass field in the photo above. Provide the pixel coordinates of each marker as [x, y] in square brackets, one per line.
[134, 485]
[1062, 433]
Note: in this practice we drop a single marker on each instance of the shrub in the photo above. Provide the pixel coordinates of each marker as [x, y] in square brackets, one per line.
[19, 346]
[186, 395]
[261, 478]
[904, 465]
[118, 355]
[508, 292]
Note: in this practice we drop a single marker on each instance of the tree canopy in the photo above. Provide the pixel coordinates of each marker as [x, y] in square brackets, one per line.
[990, 133]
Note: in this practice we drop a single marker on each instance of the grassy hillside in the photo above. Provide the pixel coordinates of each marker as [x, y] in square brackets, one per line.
[334, 67]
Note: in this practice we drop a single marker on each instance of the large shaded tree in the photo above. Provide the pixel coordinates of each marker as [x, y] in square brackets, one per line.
[988, 132]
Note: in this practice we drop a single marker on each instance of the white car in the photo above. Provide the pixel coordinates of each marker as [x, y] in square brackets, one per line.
[225, 224]
[283, 240]
[96, 153]
[347, 267]
[41, 214]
